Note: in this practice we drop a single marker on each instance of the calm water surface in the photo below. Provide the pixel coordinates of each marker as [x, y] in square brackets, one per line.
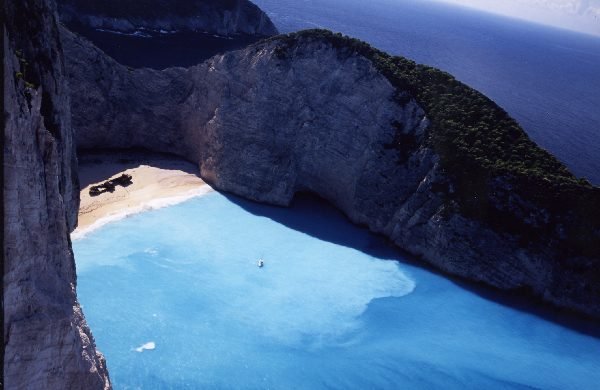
[333, 307]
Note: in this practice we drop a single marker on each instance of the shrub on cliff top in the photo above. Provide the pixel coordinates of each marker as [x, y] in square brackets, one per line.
[480, 145]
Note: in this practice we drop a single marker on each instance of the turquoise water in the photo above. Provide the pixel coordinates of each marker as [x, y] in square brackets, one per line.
[330, 308]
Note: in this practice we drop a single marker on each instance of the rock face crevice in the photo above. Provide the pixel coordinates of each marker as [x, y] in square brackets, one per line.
[47, 343]
[278, 118]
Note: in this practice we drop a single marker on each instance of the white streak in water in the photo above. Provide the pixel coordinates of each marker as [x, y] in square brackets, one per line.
[133, 34]
[148, 346]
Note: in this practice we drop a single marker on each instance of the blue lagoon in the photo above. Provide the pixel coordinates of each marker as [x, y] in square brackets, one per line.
[176, 300]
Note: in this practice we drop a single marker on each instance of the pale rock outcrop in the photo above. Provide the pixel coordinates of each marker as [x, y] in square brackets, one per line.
[47, 343]
[278, 118]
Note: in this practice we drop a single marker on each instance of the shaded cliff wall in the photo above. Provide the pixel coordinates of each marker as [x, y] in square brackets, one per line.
[120, 107]
[215, 16]
[47, 342]
[264, 124]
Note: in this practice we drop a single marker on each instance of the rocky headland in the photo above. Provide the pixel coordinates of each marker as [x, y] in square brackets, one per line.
[127, 16]
[404, 149]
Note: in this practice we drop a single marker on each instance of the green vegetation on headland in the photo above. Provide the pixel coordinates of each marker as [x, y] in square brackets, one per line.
[497, 174]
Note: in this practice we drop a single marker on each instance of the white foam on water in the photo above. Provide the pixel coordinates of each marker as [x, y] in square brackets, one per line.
[133, 34]
[149, 346]
[151, 205]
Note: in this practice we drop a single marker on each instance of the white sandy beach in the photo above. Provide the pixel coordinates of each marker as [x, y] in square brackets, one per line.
[158, 181]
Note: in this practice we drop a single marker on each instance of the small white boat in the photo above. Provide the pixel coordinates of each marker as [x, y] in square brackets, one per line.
[260, 263]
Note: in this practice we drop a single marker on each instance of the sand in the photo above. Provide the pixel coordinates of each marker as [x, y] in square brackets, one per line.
[158, 181]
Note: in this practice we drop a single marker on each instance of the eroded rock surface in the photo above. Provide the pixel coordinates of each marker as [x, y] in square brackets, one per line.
[47, 343]
[277, 118]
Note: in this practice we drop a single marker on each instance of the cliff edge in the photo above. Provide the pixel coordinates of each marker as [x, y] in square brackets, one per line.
[47, 343]
[404, 149]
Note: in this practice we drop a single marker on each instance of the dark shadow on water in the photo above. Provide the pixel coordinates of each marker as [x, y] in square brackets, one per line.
[312, 215]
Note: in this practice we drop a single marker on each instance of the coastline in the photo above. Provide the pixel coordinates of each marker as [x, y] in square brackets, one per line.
[157, 181]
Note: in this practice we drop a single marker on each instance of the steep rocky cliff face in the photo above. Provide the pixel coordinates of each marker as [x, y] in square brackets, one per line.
[215, 16]
[305, 113]
[47, 342]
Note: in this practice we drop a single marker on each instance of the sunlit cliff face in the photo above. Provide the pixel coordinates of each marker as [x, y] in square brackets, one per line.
[576, 15]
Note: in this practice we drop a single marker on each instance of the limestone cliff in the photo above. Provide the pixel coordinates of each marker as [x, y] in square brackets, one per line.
[214, 16]
[47, 343]
[321, 113]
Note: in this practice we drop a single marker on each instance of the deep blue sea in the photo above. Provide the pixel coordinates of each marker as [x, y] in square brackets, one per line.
[548, 79]
[176, 301]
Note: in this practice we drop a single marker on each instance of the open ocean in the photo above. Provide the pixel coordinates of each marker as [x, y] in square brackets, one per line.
[548, 79]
